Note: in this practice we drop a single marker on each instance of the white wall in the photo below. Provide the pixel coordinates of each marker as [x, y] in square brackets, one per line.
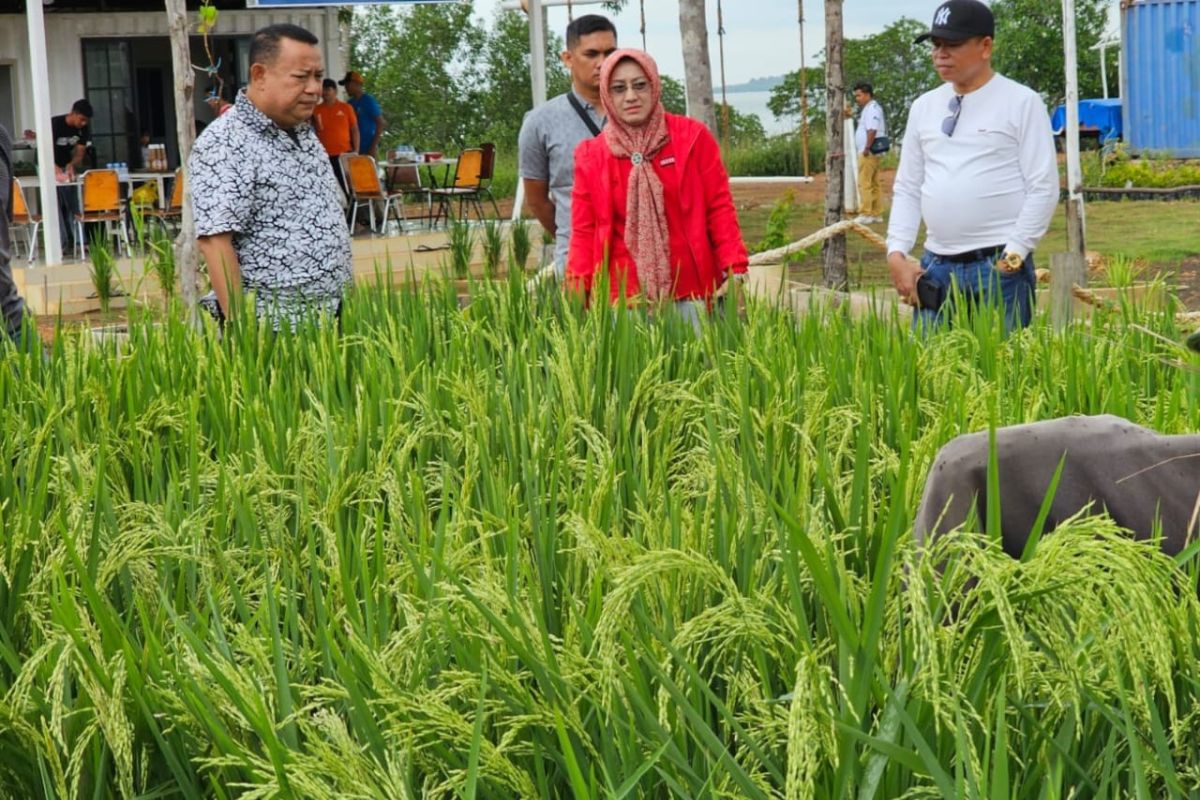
[65, 32]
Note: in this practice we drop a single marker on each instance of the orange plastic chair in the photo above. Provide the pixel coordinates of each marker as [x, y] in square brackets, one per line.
[174, 211]
[465, 186]
[22, 218]
[100, 199]
[362, 177]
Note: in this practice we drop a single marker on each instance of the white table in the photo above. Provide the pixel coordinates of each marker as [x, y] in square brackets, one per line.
[29, 182]
[448, 163]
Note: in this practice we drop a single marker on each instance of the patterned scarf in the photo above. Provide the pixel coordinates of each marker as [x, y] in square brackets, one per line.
[646, 233]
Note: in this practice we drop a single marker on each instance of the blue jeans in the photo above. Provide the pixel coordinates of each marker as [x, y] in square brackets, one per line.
[980, 283]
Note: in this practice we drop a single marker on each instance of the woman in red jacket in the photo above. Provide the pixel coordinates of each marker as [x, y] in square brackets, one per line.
[651, 197]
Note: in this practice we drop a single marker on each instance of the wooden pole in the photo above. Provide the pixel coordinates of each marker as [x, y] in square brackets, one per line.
[725, 123]
[803, 95]
[1067, 270]
[835, 273]
[185, 127]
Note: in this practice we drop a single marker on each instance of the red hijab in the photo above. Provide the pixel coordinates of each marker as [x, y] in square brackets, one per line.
[646, 233]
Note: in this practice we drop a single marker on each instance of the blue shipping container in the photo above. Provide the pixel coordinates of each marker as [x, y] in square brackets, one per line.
[1160, 49]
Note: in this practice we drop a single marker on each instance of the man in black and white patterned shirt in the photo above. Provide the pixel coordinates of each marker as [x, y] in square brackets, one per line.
[268, 218]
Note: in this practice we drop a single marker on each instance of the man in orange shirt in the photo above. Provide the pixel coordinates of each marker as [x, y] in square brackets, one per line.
[337, 128]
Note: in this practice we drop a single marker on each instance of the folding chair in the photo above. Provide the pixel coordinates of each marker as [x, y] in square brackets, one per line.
[174, 211]
[30, 223]
[362, 176]
[464, 188]
[404, 180]
[100, 198]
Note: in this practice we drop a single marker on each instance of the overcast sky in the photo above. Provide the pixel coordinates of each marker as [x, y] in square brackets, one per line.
[762, 36]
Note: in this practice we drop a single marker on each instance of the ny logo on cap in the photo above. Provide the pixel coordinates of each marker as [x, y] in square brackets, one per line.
[942, 16]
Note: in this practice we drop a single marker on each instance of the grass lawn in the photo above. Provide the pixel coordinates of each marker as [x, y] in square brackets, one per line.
[1163, 235]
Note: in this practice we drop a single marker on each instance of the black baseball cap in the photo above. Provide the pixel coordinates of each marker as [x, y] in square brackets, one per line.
[959, 20]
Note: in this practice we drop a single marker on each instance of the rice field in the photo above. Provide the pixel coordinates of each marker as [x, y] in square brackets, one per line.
[520, 549]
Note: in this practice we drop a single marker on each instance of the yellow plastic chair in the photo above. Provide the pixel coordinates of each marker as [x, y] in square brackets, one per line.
[22, 218]
[100, 199]
[362, 176]
[465, 187]
[174, 211]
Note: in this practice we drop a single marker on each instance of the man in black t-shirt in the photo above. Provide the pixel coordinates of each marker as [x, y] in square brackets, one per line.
[72, 140]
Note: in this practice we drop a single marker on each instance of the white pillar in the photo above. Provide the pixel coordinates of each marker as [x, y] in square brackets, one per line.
[1104, 69]
[851, 171]
[1075, 214]
[537, 72]
[537, 50]
[47, 186]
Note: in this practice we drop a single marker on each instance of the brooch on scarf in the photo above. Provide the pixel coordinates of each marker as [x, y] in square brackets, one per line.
[637, 159]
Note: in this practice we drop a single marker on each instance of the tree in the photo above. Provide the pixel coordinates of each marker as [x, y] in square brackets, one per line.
[674, 96]
[898, 70]
[785, 97]
[506, 93]
[743, 128]
[697, 67]
[443, 80]
[834, 248]
[1029, 45]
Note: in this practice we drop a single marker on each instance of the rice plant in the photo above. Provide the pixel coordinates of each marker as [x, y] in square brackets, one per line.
[521, 241]
[526, 549]
[103, 270]
[493, 247]
[462, 248]
[161, 262]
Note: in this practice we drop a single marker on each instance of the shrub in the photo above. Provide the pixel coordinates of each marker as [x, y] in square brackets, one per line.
[779, 155]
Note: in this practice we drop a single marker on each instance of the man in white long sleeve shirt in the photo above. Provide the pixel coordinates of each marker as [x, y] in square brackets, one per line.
[978, 166]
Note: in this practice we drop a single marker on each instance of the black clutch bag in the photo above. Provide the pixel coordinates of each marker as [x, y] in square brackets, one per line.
[930, 295]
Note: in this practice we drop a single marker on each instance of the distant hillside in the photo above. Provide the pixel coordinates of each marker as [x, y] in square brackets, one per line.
[755, 85]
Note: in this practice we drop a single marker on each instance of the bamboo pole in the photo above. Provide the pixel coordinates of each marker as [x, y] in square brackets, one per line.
[725, 123]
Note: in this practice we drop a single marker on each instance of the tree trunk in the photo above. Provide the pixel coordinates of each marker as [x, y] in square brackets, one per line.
[697, 67]
[185, 127]
[834, 248]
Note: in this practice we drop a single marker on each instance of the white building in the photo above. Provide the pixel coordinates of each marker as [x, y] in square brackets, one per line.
[116, 54]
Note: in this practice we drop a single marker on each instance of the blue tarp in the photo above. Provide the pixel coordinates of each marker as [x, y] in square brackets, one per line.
[1094, 115]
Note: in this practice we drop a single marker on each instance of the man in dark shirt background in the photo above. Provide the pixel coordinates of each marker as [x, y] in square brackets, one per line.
[72, 139]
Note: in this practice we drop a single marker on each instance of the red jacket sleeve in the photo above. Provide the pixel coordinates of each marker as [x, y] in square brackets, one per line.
[581, 260]
[724, 232]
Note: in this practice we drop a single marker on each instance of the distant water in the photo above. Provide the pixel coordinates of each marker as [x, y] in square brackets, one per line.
[756, 103]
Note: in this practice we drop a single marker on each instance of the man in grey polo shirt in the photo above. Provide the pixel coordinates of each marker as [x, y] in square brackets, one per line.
[551, 131]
